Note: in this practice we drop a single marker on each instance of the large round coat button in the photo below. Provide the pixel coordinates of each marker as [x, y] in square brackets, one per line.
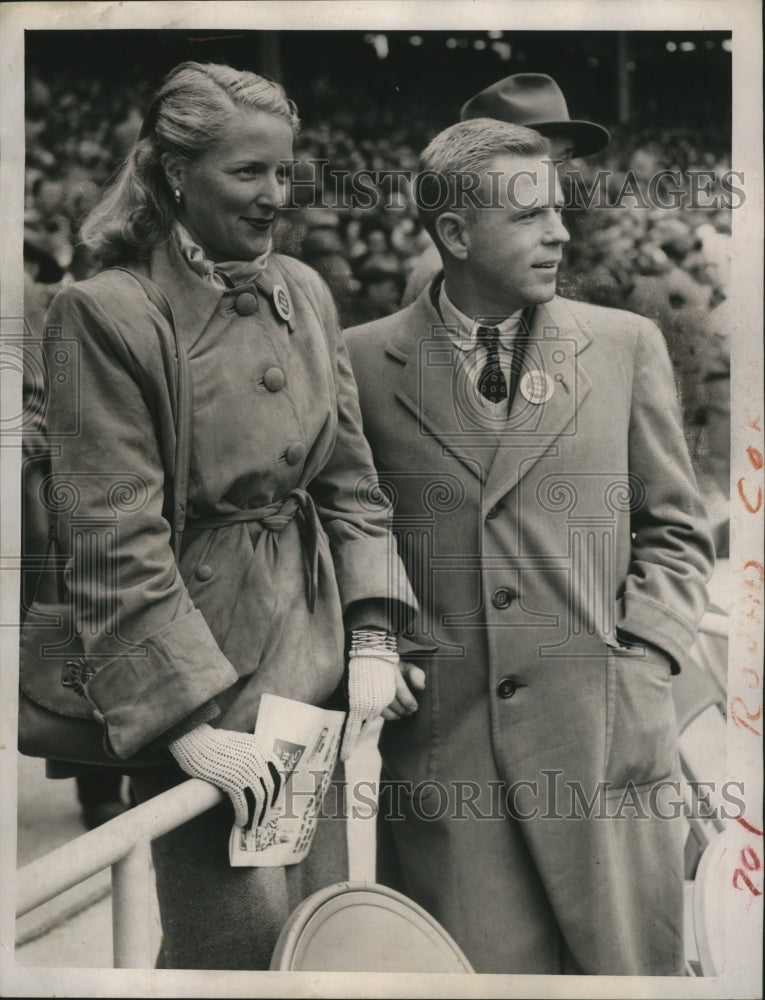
[246, 304]
[295, 453]
[501, 598]
[506, 687]
[274, 379]
[204, 572]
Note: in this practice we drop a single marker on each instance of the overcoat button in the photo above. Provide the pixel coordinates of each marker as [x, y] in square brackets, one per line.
[502, 598]
[246, 304]
[295, 453]
[506, 687]
[204, 572]
[491, 513]
[274, 379]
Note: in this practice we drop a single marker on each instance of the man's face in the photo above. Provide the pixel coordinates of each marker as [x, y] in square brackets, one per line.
[515, 245]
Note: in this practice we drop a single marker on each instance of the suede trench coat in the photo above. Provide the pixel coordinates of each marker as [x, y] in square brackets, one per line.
[274, 410]
[530, 540]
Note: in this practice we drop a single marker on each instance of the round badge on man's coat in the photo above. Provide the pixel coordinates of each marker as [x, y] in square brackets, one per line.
[537, 386]
[282, 302]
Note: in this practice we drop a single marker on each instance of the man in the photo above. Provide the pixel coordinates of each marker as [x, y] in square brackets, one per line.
[547, 514]
[536, 101]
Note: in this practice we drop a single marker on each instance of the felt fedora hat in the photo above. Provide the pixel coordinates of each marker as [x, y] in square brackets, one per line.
[536, 100]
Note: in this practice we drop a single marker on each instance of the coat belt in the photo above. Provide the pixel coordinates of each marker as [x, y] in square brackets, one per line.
[275, 517]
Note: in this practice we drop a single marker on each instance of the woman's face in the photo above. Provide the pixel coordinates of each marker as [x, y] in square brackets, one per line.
[231, 194]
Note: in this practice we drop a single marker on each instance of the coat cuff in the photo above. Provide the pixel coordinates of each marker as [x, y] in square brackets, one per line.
[367, 614]
[205, 713]
[658, 625]
[140, 698]
[371, 568]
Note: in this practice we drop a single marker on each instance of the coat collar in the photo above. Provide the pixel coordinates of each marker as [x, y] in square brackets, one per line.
[193, 300]
[555, 344]
[429, 388]
[427, 384]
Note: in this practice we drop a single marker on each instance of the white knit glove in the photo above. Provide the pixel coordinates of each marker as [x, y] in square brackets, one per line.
[372, 673]
[237, 763]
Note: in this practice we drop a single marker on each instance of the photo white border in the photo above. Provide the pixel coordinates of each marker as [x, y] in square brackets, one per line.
[743, 974]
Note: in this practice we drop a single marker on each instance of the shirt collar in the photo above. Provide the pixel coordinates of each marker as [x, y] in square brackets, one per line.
[466, 337]
[238, 272]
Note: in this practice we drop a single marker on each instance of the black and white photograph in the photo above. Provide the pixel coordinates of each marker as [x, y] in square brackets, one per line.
[382, 499]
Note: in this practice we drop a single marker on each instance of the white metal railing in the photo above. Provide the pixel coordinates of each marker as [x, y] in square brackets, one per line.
[122, 844]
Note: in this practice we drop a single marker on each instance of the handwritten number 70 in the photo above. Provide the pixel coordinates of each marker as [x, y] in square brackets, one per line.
[751, 862]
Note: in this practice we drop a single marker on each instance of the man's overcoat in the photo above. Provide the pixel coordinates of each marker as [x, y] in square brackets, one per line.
[530, 539]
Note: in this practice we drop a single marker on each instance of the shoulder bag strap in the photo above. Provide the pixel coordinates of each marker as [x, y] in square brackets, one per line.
[183, 409]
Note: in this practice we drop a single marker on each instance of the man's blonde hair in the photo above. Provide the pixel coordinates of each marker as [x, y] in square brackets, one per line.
[451, 163]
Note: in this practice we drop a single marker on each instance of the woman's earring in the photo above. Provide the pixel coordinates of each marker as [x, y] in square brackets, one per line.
[177, 195]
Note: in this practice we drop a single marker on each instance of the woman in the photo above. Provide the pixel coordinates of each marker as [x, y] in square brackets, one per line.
[273, 581]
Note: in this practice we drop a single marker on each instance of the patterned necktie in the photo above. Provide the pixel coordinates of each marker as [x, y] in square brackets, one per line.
[491, 382]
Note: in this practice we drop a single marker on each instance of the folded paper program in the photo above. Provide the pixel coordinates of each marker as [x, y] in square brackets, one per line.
[306, 740]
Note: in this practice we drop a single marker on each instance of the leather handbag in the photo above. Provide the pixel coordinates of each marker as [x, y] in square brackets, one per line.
[55, 718]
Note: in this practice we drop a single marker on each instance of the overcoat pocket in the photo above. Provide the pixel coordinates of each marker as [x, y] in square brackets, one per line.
[641, 737]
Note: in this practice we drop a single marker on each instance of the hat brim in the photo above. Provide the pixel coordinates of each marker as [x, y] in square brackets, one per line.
[586, 137]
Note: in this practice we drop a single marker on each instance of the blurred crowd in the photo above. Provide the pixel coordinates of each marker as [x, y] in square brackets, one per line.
[671, 264]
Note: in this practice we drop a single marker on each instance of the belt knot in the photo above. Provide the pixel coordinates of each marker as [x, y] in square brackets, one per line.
[275, 517]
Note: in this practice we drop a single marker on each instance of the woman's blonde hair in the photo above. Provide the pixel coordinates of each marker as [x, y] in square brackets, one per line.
[186, 116]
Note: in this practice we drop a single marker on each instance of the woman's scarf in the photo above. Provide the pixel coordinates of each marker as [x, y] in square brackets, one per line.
[223, 274]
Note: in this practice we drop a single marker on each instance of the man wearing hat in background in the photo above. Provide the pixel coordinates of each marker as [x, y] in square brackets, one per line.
[549, 521]
[536, 101]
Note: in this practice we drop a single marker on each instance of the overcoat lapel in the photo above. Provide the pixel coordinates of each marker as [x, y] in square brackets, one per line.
[555, 345]
[193, 301]
[426, 388]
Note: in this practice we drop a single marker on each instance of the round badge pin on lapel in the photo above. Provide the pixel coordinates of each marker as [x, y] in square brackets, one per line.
[537, 386]
[283, 303]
